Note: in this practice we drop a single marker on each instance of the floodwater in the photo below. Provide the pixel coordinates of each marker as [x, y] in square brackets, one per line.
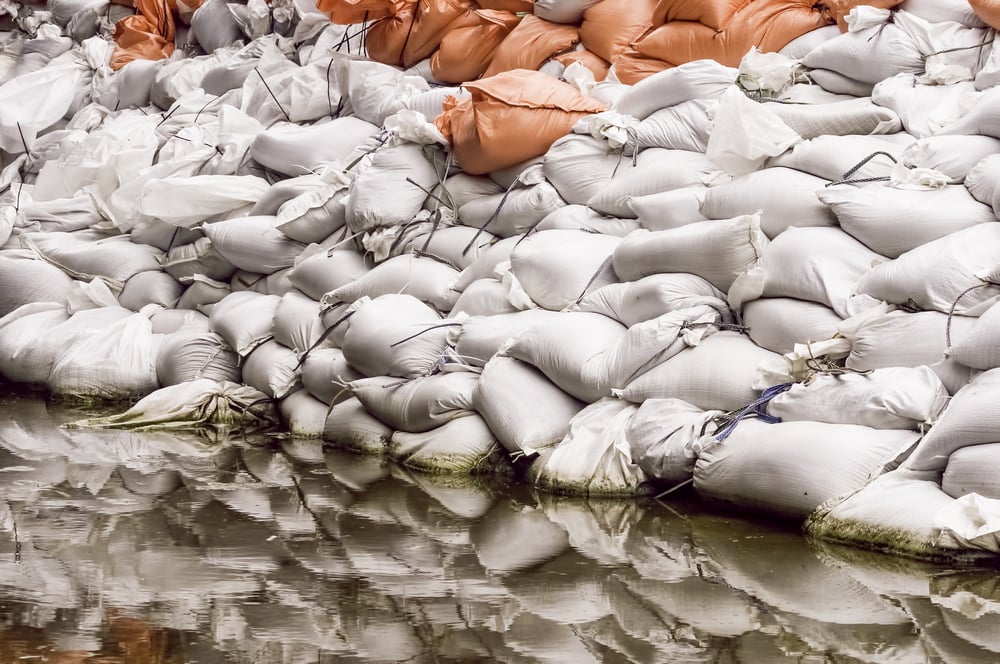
[155, 548]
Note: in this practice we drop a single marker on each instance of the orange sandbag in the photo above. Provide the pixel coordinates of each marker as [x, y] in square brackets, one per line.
[678, 42]
[531, 43]
[349, 12]
[713, 13]
[513, 6]
[416, 31]
[610, 26]
[775, 23]
[839, 9]
[510, 118]
[465, 53]
[631, 67]
[147, 35]
[596, 64]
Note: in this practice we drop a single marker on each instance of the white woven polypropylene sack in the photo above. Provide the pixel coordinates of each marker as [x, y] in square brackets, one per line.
[583, 218]
[484, 297]
[300, 150]
[254, 244]
[657, 170]
[297, 324]
[383, 194]
[351, 427]
[395, 335]
[940, 275]
[972, 469]
[663, 437]
[718, 373]
[314, 215]
[556, 268]
[669, 209]
[272, 369]
[318, 272]
[979, 347]
[482, 336]
[685, 126]
[837, 118]
[980, 119]
[460, 189]
[324, 374]
[580, 166]
[458, 246]
[27, 279]
[462, 446]
[420, 404]
[814, 264]
[815, 461]
[970, 419]
[939, 11]
[832, 157]
[900, 339]
[485, 265]
[20, 332]
[188, 201]
[244, 319]
[304, 415]
[887, 398]
[198, 258]
[192, 355]
[701, 79]
[424, 278]
[891, 221]
[983, 181]
[778, 323]
[786, 197]
[150, 287]
[717, 250]
[564, 349]
[955, 156]
[594, 458]
[521, 406]
[923, 109]
[511, 213]
[114, 259]
[746, 134]
[633, 302]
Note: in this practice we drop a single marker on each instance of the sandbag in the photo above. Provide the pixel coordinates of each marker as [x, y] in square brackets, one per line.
[466, 52]
[701, 79]
[610, 26]
[392, 189]
[563, 11]
[924, 109]
[979, 347]
[717, 374]
[815, 461]
[485, 298]
[349, 426]
[833, 157]
[320, 272]
[650, 297]
[489, 131]
[115, 259]
[297, 324]
[458, 246]
[465, 445]
[272, 369]
[314, 215]
[324, 372]
[423, 278]
[594, 458]
[304, 416]
[663, 436]
[685, 126]
[200, 258]
[938, 276]
[778, 323]
[669, 209]
[20, 333]
[485, 265]
[531, 43]
[253, 244]
[244, 319]
[151, 287]
[580, 166]
[521, 406]
[556, 268]
[482, 336]
[189, 201]
[983, 181]
[955, 156]
[972, 469]
[418, 405]
[837, 118]
[717, 250]
[900, 339]
[657, 170]
[189, 356]
[27, 279]
[299, 150]
[514, 212]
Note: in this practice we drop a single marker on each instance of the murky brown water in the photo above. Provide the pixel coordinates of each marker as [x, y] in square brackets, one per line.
[124, 547]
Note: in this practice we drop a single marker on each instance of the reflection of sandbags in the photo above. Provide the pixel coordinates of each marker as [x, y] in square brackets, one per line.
[815, 462]
[351, 427]
[512, 537]
[463, 445]
[418, 405]
[712, 608]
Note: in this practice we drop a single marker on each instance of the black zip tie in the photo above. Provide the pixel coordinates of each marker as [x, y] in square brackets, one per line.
[424, 331]
[329, 99]
[210, 102]
[23, 142]
[435, 224]
[430, 193]
[268, 88]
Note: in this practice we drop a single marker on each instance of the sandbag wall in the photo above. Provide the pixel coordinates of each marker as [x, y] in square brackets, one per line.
[765, 280]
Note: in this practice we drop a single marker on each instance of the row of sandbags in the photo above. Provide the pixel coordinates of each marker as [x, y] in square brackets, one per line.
[639, 285]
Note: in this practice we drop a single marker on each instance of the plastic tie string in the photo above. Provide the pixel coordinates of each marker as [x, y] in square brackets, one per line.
[756, 409]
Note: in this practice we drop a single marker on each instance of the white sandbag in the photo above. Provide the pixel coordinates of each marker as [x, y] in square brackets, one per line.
[485, 265]
[562, 11]
[202, 293]
[972, 469]
[293, 150]
[833, 157]
[198, 258]
[937, 276]
[633, 302]
[463, 446]
[32, 102]
[276, 283]
[189, 201]
[717, 250]
[983, 181]
[891, 221]
[837, 118]
[320, 272]
[151, 287]
[168, 321]
[685, 126]
[284, 191]
[800, 46]
[114, 259]
[669, 209]
[785, 196]
[314, 215]
[118, 362]
[188, 356]
[594, 458]
[272, 369]
[718, 373]
[214, 26]
[583, 218]
[556, 268]
[955, 156]
[27, 279]
[580, 166]
[482, 336]
[663, 436]
[324, 373]
[244, 319]
[814, 264]
[378, 341]
[968, 420]
[483, 297]
[778, 323]
[900, 339]
[253, 244]
[924, 109]
[982, 118]
[460, 189]
[295, 94]
[19, 332]
[745, 134]
[382, 194]
[304, 415]
[297, 324]
[162, 235]
[939, 11]
[423, 278]
[377, 91]
[701, 79]
[979, 347]
[564, 349]
[458, 246]
[349, 426]
[521, 406]
[657, 170]
[418, 405]
[815, 461]
[836, 83]
[887, 398]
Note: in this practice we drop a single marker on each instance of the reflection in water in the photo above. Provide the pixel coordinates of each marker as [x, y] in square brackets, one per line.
[124, 547]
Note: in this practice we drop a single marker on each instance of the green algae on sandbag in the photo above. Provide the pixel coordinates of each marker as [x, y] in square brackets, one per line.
[196, 404]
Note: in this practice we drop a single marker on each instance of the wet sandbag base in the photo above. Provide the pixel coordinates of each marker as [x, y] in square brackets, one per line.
[607, 264]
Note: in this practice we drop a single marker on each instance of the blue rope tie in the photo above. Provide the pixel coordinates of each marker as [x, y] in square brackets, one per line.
[757, 409]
